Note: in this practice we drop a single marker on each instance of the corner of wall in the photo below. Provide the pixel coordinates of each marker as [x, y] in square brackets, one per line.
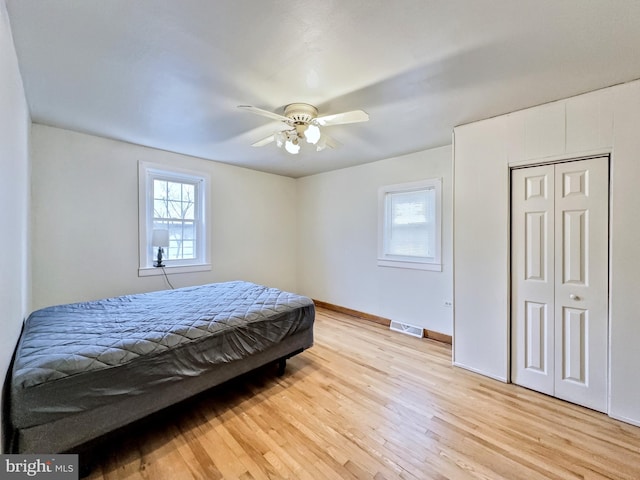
[15, 125]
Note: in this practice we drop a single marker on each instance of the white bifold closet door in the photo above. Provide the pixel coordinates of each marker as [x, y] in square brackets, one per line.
[559, 280]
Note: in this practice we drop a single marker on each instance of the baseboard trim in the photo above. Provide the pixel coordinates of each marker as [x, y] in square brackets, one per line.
[429, 334]
[440, 337]
[354, 313]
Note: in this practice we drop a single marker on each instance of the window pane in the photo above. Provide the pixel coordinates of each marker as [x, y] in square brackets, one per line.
[188, 199]
[174, 190]
[410, 223]
[188, 249]
[159, 189]
[189, 211]
[188, 231]
[410, 240]
[409, 207]
[188, 191]
[175, 209]
[160, 209]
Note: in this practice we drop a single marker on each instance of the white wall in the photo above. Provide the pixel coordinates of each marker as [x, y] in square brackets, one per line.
[337, 222]
[14, 198]
[604, 121]
[85, 220]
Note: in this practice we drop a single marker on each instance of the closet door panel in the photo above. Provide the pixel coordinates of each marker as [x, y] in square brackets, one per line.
[532, 332]
[581, 293]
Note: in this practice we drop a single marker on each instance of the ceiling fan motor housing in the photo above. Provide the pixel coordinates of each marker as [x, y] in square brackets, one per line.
[300, 113]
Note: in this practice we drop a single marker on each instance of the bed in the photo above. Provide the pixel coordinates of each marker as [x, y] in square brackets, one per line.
[85, 369]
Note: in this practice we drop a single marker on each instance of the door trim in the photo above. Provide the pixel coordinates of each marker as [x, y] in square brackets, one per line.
[567, 157]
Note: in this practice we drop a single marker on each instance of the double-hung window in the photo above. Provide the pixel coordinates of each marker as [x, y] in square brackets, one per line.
[409, 225]
[174, 201]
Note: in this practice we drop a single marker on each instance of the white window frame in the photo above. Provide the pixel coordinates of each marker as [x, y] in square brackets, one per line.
[147, 173]
[386, 259]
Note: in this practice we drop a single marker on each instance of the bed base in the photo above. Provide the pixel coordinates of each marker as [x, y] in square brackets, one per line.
[90, 452]
[282, 362]
[69, 433]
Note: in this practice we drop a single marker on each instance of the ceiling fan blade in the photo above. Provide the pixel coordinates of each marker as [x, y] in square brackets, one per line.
[264, 113]
[327, 141]
[264, 141]
[353, 116]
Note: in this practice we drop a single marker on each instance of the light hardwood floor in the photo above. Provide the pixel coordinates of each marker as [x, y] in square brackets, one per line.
[366, 402]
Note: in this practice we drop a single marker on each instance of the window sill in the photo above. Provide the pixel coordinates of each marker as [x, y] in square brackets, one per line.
[151, 271]
[434, 267]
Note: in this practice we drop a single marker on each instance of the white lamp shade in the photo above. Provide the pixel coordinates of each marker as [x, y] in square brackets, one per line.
[280, 138]
[312, 134]
[160, 238]
[291, 147]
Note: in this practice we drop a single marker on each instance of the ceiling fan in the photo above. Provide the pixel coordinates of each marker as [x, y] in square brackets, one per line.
[301, 121]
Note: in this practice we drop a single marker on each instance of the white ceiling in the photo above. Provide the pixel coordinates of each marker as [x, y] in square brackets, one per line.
[169, 74]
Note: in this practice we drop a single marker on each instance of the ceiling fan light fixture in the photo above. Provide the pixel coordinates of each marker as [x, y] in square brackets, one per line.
[280, 138]
[312, 134]
[292, 146]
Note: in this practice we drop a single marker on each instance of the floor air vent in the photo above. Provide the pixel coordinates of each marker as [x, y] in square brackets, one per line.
[405, 328]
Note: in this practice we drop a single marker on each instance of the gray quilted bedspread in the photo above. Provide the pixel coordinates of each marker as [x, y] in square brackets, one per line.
[63, 341]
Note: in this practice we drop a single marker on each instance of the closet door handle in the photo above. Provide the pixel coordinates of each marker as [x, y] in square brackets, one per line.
[573, 296]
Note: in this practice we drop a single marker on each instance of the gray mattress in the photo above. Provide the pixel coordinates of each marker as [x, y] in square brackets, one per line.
[87, 361]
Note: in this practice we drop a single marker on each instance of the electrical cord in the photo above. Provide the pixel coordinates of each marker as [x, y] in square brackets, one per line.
[167, 278]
